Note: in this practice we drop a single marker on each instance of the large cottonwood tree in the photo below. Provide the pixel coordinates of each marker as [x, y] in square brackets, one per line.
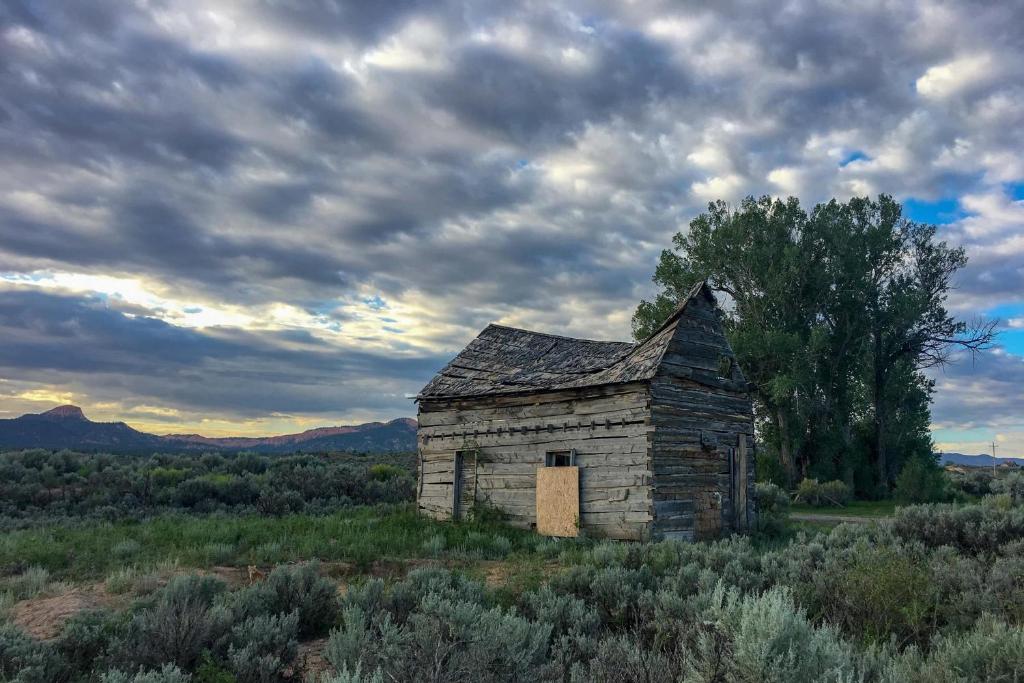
[832, 315]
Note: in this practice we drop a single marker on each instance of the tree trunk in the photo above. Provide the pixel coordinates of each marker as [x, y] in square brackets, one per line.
[878, 398]
[785, 448]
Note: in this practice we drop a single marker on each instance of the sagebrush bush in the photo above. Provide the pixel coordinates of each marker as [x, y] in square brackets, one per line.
[435, 625]
[26, 660]
[346, 676]
[768, 638]
[826, 493]
[300, 589]
[262, 646]
[112, 487]
[971, 529]
[183, 620]
[991, 651]
[973, 483]
[87, 641]
[1011, 485]
[165, 674]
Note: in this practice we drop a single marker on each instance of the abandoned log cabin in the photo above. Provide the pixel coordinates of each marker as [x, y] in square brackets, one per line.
[627, 441]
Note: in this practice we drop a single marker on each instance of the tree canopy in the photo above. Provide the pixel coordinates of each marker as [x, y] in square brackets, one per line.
[833, 315]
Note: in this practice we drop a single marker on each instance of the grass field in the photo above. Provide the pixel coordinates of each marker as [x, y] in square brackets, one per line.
[359, 536]
[920, 590]
[857, 508]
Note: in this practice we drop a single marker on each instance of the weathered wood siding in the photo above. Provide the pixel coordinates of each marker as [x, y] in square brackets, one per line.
[699, 418]
[607, 426]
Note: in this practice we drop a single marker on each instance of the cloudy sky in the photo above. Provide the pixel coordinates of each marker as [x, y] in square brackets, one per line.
[256, 217]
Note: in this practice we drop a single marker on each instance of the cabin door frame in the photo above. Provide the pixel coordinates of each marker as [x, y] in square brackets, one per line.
[464, 488]
[738, 482]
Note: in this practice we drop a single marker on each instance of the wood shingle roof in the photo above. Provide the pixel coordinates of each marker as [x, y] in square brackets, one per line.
[507, 360]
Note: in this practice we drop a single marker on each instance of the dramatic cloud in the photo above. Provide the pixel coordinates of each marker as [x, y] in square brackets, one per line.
[273, 214]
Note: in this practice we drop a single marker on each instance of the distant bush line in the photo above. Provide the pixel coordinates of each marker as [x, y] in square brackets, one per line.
[43, 486]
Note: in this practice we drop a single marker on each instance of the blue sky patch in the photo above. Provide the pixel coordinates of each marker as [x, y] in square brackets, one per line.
[1010, 338]
[939, 212]
[853, 156]
[375, 302]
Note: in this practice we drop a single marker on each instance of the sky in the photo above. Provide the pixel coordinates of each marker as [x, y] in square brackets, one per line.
[263, 216]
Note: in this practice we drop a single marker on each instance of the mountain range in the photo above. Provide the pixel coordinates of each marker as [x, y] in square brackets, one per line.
[976, 460]
[68, 427]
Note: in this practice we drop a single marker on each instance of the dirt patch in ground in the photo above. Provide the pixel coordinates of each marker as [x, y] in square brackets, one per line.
[44, 617]
[496, 574]
[310, 660]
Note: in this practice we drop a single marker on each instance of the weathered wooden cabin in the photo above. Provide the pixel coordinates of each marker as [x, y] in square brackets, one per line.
[628, 441]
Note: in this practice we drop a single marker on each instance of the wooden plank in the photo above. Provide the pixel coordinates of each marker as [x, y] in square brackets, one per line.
[558, 501]
[741, 503]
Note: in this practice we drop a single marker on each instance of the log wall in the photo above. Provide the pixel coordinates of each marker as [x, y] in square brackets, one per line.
[609, 427]
[699, 418]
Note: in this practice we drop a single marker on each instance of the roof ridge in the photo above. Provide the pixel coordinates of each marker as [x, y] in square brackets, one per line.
[680, 308]
[561, 336]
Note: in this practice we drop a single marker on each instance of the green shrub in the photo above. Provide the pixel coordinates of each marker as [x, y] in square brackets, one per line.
[500, 547]
[211, 671]
[288, 589]
[29, 583]
[112, 487]
[921, 481]
[770, 469]
[384, 471]
[166, 674]
[1012, 485]
[876, 594]
[434, 546]
[772, 509]
[126, 549]
[829, 493]
[218, 553]
[121, 580]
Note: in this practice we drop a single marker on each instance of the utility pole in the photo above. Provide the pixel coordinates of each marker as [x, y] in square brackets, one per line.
[993, 461]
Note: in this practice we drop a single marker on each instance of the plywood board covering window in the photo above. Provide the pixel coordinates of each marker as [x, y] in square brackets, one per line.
[558, 501]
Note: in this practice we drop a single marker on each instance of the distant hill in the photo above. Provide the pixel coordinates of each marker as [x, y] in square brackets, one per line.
[976, 460]
[396, 435]
[68, 427]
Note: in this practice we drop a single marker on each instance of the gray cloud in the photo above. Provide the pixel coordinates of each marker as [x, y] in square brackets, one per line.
[521, 162]
[83, 343]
